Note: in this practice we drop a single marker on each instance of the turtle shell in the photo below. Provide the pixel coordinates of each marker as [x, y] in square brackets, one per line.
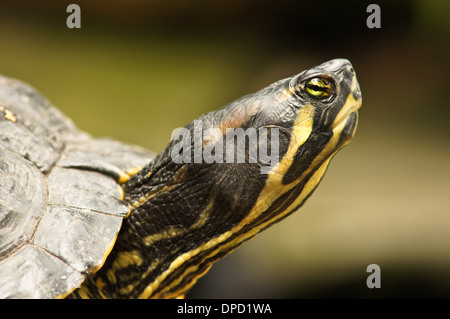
[61, 202]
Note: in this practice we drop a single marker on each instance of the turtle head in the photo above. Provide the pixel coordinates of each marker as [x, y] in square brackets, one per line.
[228, 175]
[322, 103]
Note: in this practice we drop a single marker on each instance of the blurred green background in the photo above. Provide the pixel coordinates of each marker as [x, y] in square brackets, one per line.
[136, 71]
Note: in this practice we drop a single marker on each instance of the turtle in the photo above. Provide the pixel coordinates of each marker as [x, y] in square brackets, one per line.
[89, 217]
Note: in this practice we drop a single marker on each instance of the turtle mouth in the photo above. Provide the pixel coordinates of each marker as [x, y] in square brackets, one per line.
[351, 105]
[346, 115]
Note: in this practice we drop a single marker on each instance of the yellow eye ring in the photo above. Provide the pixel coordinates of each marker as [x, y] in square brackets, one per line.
[318, 88]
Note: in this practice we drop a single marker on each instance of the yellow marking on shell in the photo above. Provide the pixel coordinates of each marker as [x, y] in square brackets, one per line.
[123, 177]
[8, 114]
[132, 171]
[122, 194]
[122, 198]
[67, 293]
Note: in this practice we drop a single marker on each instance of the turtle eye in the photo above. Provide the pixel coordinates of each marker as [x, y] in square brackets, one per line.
[319, 88]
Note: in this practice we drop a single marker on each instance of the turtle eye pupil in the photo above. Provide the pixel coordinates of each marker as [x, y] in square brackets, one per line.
[318, 88]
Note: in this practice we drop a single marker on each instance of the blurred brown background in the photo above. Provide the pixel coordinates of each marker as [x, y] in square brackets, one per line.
[135, 71]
